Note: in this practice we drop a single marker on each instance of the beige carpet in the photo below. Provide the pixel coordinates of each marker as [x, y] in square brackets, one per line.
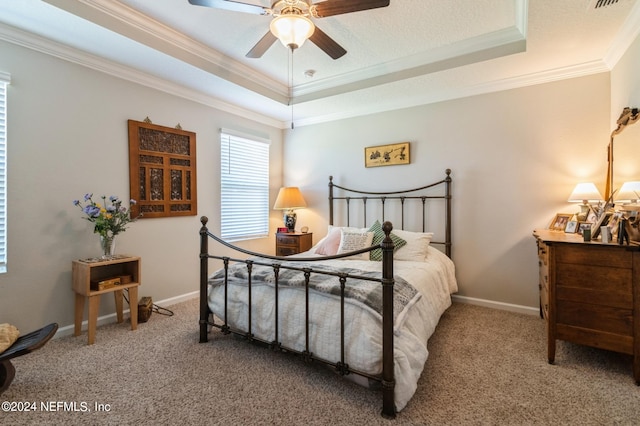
[485, 367]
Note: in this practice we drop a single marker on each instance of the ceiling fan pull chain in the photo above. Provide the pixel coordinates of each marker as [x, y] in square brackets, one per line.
[291, 84]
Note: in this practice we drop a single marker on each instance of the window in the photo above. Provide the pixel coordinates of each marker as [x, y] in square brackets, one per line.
[244, 186]
[4, 81]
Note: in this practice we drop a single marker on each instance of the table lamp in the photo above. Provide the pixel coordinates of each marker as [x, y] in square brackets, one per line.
[629, 193]
[289, 199]
[629, 196]
[586, 193]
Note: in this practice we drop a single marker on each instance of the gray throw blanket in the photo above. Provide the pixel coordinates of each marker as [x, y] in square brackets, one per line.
[368, 293]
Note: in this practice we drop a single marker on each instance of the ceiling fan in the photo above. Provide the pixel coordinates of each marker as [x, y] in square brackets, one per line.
[291, 24]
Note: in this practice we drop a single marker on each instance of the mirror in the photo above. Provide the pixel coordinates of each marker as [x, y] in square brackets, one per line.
[627, 156]
[623, 151]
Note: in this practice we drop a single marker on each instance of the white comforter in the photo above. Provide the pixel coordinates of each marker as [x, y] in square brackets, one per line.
[434, 279]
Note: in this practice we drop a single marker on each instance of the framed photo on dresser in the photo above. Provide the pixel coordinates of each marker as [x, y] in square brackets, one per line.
[584, 225]
[603, 221]
[572, 227]
[615, 222]
[560, 222]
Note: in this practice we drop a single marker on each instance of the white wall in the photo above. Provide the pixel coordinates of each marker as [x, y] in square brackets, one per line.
[625, 92]
[67, 135]
[625, 82]
[515, 155]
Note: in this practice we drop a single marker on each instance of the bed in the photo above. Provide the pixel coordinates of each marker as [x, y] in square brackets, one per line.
[364, 300]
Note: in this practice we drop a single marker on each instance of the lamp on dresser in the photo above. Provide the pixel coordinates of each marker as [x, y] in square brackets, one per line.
[629, 198]
[585, 193]
[289, 199]
[629, 193]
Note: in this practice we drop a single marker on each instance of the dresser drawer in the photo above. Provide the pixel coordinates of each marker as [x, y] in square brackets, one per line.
[595, 317]
[596, 278]
[544, 301]
[286, 251]
[286, 240]
[543, 277]
[292, 243]
[610, 256]
[543, 253]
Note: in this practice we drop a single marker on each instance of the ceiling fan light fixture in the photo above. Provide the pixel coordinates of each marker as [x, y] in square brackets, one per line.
[292, 30]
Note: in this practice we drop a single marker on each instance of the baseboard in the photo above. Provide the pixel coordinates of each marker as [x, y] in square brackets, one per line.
[496, 305]
[68, 330]
[110, 318]
[178, 299]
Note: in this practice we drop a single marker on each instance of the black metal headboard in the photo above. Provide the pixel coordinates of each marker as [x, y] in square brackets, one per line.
[423, 195]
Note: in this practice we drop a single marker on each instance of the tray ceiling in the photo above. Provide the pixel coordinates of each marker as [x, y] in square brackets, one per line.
[410, 53]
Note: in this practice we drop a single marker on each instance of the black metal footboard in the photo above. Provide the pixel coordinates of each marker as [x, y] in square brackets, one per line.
[386, 280]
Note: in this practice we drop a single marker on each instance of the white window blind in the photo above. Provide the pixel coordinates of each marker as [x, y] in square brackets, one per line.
[4, 81]
[244, 181]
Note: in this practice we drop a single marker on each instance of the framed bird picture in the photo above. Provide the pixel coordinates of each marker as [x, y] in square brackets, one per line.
[387, 155]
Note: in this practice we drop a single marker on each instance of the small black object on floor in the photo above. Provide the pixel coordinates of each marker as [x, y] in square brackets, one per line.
[22, 346]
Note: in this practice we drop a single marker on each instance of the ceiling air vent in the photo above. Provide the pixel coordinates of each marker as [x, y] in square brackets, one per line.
[597, 4]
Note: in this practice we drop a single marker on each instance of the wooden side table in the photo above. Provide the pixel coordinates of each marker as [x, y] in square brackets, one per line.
[87, 273]
[288, 243]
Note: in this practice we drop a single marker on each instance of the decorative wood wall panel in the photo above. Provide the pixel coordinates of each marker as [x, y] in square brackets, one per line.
[162, 170]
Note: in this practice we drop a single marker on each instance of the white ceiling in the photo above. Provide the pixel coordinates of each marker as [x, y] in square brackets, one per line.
[410, 53]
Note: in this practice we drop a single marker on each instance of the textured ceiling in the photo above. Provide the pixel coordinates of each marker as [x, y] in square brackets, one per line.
[410, 53]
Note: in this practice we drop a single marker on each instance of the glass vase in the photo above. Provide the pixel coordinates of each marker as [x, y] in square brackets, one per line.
[108, 246]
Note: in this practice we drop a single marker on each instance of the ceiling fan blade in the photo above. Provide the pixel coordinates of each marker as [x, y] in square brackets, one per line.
[339, 7]
[236, 6]
[327, 44]
[262, 46]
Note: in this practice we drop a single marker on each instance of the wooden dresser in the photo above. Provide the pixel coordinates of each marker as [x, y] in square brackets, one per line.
[590, 293]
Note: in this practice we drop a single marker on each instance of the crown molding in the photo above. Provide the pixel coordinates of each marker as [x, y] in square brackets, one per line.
[130, 23]
[533, 79]
[488, 46]
[485, 47]
[48, 47]
[625, 37]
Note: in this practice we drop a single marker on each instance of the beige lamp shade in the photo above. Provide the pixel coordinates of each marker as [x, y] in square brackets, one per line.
[585, 193]
[629, 192]
[289, 198]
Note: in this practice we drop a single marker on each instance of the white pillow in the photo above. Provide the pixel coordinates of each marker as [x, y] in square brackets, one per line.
[326, 246]
[417, 245]
[352, 240]
[347, 228]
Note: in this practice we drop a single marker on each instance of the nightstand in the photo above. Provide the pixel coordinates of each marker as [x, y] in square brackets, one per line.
[95, 277]
[292, 243]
